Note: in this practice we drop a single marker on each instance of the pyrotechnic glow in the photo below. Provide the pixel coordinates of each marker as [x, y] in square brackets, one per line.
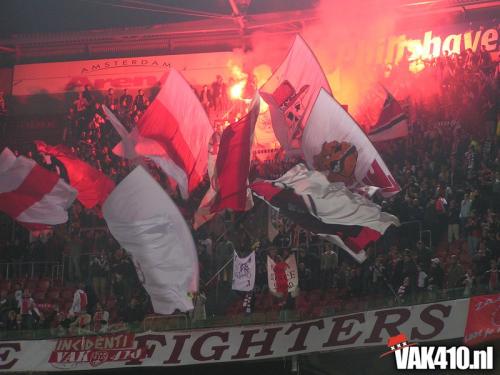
[416, 66]
[240, 78]
[263, 106]
[236, 90]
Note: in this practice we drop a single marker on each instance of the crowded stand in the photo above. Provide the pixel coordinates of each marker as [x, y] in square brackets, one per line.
[76, 279]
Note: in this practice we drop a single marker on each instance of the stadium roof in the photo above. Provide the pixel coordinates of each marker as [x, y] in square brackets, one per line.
[57, 30]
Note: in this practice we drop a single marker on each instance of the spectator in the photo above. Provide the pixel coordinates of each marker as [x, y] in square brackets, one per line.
[125, 101]
[493, 279]
[468, 283]
[110, 99]
[465, 207]
[75, 245]
[472, 229]
[329, 261]
[7, 303]
[421, 283]
[28, 310]
[436, 276]
[139, 102]
[134, 311]
[206, 98]
[100, 319]
[424, 255]
[305, 277]
[404, 290]
[87, 94]
[453, 215]
[81, 325]
[80, 301]
[13, 321]
[455, 277]
[99, 269]
[81, 105]
[223, 253]
[199, 312]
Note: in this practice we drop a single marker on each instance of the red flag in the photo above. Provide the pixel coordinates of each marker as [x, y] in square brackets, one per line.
[291, 91]
[392, 122]
[31, 194]
[177, 122]
[233, 162]
[93, 186]
[483, 320]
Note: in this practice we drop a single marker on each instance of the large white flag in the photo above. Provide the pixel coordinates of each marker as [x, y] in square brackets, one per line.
[244, 272]
[290, 93]
[334, 144]
[290, 276]
[31, 194]
[146, 223]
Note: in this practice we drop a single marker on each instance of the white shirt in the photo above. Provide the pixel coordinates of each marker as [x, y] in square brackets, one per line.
[78, 297]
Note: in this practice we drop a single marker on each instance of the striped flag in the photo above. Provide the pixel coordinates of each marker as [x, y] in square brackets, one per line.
[392, 122]
[174, 132]
[228, 168]
[177, 121]
[31, 194]
[92, 185]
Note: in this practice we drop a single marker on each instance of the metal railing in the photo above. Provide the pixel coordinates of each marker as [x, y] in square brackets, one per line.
[182, 321]
[31, 270]
[162, 322]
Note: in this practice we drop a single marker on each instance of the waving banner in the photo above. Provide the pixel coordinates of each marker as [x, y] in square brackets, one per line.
[290, 93]
[148, 224]
[244, 272]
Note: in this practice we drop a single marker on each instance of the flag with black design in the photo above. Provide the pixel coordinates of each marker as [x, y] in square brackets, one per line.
[392, 122]
[330, 210]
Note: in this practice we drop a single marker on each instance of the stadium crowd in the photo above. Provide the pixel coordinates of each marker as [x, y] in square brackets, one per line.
[448, 169]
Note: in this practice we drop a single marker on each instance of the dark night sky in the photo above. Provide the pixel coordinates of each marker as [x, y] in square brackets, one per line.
[31, 16]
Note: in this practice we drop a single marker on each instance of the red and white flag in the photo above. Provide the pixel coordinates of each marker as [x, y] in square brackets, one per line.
[31, 194]
[177, 121]
[483, 320]
[146, 222]
[233, 162]
[334, 144]
[204, 212]
[92, 185]
[228, 168]
[174, 132]
[392, 122]
[291, 91]
[327, 209]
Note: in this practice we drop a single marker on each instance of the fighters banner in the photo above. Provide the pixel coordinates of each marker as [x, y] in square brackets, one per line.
[483, 320]
[430, 322]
